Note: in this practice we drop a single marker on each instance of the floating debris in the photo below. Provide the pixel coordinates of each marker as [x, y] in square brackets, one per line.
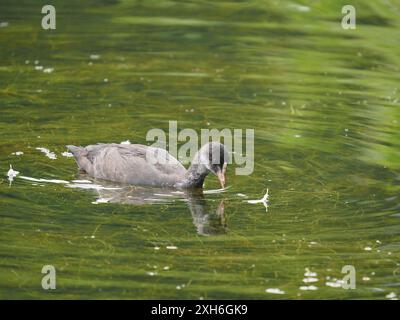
[264, 201]
[335, 284]
[48, 153]
[171, 247]
[152, 274]
[308, 273]
[18, 153]
[241, 195]
[309, 280]
[299, 7]
[308, 288]
[12, 174]
[48, 70]
[274, 291]
[392, 296]
[101, 200]
[67, 154]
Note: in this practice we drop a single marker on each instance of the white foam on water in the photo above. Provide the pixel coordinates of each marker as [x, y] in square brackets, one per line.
[17, 153]
[126, 142]
[171, 247]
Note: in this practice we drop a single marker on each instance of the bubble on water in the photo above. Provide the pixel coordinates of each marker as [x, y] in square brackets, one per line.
[156, 248]
[39, 68]
[152, 274]
[367, 248]
[366, 278]
[166, 268]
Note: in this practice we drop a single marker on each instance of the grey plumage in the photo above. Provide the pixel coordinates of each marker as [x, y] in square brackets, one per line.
[144, 165]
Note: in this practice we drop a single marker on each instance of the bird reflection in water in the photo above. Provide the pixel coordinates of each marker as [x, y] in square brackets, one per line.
[208, 219]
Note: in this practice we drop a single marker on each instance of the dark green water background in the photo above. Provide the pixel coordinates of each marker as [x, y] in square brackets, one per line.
[325, 106]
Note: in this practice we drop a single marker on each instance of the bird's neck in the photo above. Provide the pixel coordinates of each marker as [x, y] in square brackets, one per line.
[195, 175]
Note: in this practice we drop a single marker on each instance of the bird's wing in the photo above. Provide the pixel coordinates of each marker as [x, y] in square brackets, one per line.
[135, 164]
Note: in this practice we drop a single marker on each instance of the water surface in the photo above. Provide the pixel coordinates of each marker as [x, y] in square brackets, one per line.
[324, 103]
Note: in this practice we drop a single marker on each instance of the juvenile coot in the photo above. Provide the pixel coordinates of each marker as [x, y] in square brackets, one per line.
[143, 165]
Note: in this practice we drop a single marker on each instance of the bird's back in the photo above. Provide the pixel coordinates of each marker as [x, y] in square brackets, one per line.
[130, 163]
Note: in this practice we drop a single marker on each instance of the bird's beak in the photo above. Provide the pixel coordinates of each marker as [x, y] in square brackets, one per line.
[221, 176]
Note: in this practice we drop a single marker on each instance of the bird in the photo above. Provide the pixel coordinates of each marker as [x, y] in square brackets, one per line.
[138, 164]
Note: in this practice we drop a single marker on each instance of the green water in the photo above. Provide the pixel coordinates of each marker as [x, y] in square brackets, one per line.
[325, 106]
